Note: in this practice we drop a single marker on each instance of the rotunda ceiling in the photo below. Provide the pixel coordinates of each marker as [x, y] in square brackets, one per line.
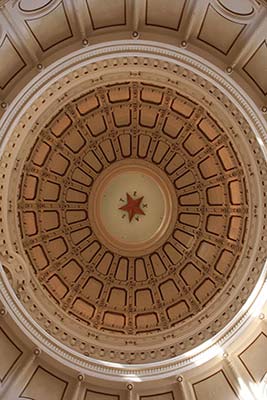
[136, 208]
[133, 199]
[78, 235]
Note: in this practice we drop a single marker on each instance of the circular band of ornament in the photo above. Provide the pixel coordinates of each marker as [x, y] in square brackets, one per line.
[176, 345]
[75, 165]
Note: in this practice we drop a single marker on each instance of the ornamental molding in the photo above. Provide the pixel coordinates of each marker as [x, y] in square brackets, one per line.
[120, 372]
[69, 70]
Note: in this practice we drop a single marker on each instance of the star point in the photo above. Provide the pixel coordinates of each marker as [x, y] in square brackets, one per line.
[133, 206]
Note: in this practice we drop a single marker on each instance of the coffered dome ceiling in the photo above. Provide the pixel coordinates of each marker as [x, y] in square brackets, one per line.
[133, 179]
[79, 241]
[146, 276]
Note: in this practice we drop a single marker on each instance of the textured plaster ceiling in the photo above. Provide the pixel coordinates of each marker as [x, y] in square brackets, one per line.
[98, 299]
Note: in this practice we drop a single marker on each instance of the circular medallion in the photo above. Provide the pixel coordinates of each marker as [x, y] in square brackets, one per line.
[133, 207]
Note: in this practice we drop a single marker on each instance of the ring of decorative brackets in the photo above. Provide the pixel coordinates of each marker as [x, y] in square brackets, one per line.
[92, 349]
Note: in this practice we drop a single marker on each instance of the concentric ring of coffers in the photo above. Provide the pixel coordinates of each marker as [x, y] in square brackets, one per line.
[191, 275]
[179, 137]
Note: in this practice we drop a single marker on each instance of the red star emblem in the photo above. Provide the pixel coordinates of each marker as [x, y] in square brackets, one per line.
[132, 207]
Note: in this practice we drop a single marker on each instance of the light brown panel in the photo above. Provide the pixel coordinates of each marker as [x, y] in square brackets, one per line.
[52, 28]
[254, 358]
[30, 6]
[256, 67]
[43, 382]
[92, 395]
[218, 31]
[165, 14]
[216, 386]
[11, 63]
[104, 14]
[159, 396]
[237, 7]
[10, 354]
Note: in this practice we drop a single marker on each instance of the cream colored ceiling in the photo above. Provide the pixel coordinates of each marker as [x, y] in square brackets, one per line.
[232, 35]
[202, 269]
[26, 373]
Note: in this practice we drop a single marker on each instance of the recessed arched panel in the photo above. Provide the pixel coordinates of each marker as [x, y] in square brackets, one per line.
[215, 224]
[143, 145]
[39, 257]
[90, 251]
[41, 154]
[96, 125]
[183, 237]
[30, 223]
[105, 263]
[115, 320]
[215, 195]
[122, 270]
[71, 271]
[158, 265]
[83, 308]
[31, 187]
[169, 290]
[205, 290]
[56, 286]
[117, 297]
[178, 311]
[174, 164]
[146, 321]
[74, 141]
[92, 288]
[119, 94]
[140, 272]
[206, 251]
[122, 116]
[88, 104]
[191, 274]
[193, 144]
[61, 124]
[209, 128]
[148, 117]
[59, 164]
[144, 298]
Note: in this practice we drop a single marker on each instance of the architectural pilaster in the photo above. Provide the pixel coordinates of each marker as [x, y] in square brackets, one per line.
[24, 370]
[233, 372]
[78, 388]
[182, 389]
